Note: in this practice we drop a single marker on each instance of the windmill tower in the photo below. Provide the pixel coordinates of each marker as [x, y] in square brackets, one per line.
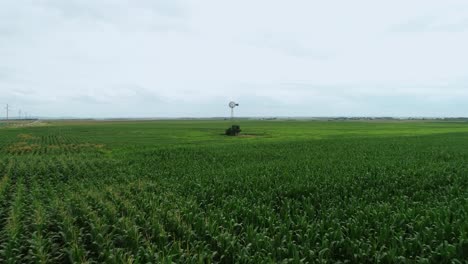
[232, 105]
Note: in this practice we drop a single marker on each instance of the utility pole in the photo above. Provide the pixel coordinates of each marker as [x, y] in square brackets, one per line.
[19, 114]
[7, 109]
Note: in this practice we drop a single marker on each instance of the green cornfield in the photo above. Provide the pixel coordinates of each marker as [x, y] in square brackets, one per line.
[282, 192]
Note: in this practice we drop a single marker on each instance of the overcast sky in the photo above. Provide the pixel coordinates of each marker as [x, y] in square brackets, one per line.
[172, 58]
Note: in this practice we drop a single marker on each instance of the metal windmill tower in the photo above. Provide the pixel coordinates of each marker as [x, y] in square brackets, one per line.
[232, 105]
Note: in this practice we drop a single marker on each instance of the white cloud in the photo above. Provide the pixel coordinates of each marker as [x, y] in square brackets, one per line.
[171, 57]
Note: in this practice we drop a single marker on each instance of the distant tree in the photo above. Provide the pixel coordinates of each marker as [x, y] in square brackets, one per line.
[234, 130]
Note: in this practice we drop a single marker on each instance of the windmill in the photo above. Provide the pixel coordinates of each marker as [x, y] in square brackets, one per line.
[232, 104]
[234, 130]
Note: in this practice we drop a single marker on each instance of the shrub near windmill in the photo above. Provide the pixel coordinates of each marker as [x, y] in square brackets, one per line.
[234, 130]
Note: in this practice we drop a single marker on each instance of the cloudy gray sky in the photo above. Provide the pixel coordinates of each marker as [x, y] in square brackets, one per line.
[171, 58]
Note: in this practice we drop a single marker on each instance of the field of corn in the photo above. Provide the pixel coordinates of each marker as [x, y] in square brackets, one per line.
[284, 191]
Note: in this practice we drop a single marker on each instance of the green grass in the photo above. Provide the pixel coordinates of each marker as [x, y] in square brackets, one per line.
[286, 191]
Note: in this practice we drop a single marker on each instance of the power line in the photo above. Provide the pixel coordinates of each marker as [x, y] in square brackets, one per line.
[11, 116]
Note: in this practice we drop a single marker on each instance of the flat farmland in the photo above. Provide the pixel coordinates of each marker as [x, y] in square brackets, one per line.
[283, 191]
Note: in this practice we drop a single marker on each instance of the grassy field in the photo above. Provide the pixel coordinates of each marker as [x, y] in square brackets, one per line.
[285, 191]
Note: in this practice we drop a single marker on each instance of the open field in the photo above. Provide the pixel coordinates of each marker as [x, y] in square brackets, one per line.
[180, 191]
